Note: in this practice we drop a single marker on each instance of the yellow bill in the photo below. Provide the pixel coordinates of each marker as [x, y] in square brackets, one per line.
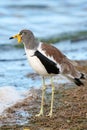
[18, 36]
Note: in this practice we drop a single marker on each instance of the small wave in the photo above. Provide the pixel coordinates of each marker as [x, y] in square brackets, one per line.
[28, 6]
[9, 95]
[11, 60]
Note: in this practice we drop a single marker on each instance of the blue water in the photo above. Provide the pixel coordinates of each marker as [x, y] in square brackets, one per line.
[45, 18]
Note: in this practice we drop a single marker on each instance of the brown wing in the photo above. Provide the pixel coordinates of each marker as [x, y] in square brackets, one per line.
[53, 52]
[67, 65]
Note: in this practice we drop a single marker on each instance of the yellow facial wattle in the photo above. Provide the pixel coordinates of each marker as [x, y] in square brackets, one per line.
[18, 36]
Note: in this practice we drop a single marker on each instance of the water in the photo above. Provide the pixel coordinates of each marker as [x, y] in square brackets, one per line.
[74, 51]
[45, 18]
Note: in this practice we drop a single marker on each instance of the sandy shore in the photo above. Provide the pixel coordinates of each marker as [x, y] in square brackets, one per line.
[69, 113]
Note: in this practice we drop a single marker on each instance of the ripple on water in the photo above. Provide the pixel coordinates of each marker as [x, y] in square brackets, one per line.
[44, 18]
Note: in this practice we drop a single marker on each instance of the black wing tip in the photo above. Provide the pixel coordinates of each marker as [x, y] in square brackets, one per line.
[78, 82]
[49, 65]
[82, 76]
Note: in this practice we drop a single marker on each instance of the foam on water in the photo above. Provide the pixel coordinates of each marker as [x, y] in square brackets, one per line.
[9, 95]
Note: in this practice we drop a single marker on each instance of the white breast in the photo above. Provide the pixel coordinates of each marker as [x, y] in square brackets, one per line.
[35, 63]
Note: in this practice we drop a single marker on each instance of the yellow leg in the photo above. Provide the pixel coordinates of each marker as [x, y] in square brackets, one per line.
[52, 99]
[42, 102]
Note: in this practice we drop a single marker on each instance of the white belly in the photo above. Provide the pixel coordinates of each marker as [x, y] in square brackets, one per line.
[36, 64]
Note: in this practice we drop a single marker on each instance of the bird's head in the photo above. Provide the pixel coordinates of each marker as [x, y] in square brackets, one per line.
[23, 36]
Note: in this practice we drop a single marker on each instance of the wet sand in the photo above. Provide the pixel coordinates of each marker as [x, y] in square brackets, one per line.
[69, 113]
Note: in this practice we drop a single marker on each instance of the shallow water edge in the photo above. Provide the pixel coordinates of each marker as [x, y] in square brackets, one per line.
[70, 109]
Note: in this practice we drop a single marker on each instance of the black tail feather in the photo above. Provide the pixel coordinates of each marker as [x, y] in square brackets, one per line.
[78, 82]
[82, 76]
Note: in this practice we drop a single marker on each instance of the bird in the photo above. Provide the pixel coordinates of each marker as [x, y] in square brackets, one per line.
[47, 60]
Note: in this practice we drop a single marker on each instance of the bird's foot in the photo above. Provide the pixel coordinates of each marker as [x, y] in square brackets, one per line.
[40, 114]
[50, 114]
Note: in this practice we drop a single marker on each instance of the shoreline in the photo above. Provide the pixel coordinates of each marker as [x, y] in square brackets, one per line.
[70, 109]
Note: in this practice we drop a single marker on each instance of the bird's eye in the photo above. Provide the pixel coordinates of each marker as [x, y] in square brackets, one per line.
[24, 33]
